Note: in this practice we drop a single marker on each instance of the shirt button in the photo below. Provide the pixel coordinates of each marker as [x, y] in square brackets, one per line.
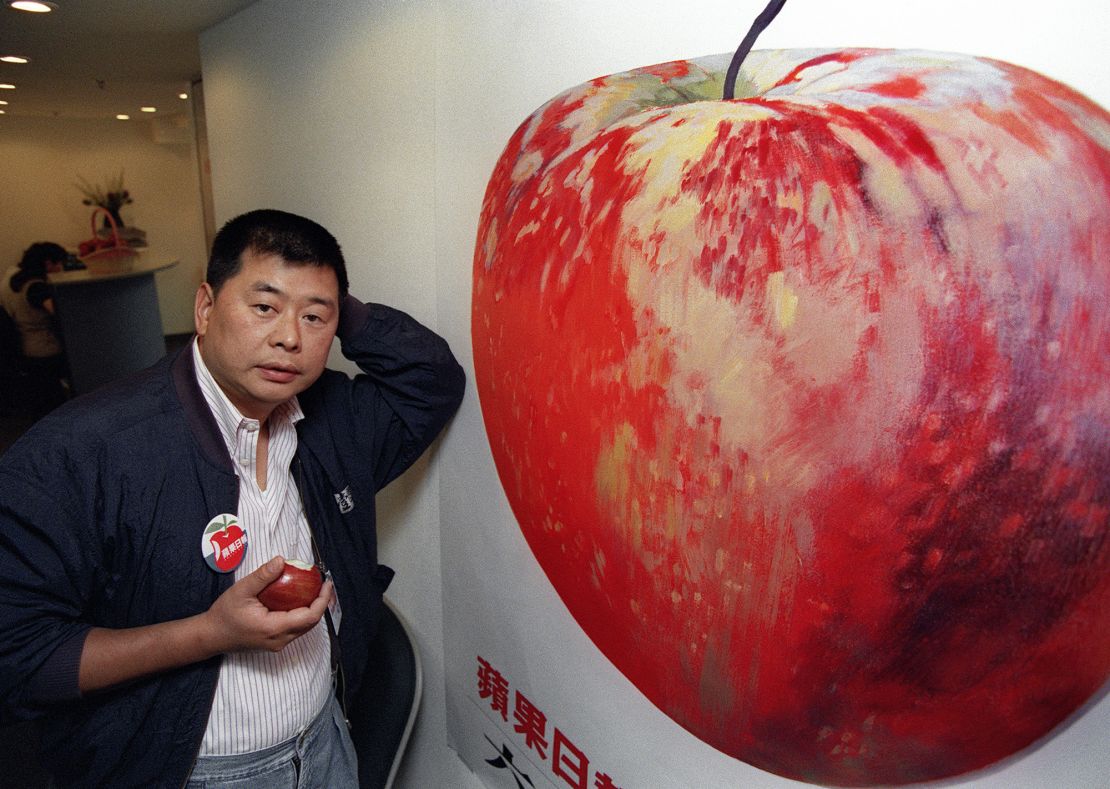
[252, 426]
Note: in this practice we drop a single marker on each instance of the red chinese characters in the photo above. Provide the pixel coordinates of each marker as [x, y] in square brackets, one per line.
[493, 686]
[568, 761]
[229, 546]
[531, 723]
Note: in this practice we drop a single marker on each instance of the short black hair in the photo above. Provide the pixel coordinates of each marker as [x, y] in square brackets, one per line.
[36, 256]
[267, 231]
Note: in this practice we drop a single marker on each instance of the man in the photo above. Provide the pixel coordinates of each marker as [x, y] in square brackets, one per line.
[127, 612]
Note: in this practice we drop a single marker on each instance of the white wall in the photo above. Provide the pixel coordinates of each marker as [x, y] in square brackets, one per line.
[383, 121]
[43, 159]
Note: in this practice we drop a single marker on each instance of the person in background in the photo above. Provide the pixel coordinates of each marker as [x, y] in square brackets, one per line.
[29, 300]
[140, 523]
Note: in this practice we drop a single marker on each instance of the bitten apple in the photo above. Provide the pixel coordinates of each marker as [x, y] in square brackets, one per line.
[800, 399]
[297, 587]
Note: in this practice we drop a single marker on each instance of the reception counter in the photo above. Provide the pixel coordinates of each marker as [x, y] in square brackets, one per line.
[109, 316]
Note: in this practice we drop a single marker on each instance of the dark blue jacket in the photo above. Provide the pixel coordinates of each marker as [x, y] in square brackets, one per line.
[102, 507]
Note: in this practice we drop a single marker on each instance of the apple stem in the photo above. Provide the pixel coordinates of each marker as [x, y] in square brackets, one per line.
[758, 26]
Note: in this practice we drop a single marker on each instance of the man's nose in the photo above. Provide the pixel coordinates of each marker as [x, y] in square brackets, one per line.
[287, 333]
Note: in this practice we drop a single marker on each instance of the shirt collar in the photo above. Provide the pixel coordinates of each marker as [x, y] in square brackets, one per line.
[228, 417]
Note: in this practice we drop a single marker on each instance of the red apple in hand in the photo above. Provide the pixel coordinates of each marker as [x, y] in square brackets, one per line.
[297, 587]
[801, 399]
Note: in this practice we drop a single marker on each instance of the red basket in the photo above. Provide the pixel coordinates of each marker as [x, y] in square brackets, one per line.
[111, 248]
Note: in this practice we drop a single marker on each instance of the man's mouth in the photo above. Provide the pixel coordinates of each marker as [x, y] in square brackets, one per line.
[278, 373]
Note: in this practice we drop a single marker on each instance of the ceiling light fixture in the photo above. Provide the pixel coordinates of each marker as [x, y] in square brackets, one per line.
[4, 103]
[182, 95]
[34, 8]
[123, 117]
[15, 59]
[6, 86]
[149, 109]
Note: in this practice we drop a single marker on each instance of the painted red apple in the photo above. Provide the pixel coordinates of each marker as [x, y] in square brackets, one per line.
[298, 585]
[801, 399]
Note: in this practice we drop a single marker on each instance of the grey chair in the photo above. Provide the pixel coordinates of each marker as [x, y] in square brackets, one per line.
[383, 714]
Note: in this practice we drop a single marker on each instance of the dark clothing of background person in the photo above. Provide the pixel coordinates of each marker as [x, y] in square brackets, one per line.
[27, 298]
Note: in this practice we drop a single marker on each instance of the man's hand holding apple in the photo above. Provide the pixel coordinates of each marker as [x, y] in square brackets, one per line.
[236, 621]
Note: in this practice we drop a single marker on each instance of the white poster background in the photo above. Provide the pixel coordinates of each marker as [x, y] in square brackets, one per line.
[498, 604]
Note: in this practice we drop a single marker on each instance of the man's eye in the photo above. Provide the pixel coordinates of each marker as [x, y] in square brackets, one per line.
[263, 308]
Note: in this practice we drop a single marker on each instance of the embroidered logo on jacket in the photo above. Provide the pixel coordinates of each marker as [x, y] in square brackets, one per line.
[345, 500]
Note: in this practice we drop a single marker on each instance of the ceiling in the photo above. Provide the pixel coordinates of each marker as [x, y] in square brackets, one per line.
[99, 58]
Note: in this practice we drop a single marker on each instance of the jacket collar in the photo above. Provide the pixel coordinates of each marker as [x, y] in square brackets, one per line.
[317, 435]
[197, 413]
[313, 434]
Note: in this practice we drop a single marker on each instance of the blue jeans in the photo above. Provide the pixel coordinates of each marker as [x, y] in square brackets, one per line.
[322, 757]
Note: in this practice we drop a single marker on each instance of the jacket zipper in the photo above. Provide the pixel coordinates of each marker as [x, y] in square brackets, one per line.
[333, 637]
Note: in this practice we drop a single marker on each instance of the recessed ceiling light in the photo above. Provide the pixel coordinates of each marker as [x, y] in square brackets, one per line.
[182, 95]
[6, 86]
[123, 117]
[4, 103]
[15, 59]
[34, 8]
[149, 109]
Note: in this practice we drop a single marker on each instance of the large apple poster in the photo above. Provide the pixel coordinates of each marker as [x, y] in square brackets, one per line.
[799, 401]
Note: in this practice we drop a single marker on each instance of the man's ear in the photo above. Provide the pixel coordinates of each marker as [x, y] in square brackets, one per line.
[206, 297]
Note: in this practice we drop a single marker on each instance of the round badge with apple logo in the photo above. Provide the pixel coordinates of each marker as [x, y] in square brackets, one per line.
[224, 543]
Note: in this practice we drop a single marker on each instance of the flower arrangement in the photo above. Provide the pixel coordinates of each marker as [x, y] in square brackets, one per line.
[112, 197]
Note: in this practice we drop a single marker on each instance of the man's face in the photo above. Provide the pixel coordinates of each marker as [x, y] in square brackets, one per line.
[266, 335]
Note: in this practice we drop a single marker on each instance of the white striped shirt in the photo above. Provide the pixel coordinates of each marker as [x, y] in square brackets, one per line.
[264, 698]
